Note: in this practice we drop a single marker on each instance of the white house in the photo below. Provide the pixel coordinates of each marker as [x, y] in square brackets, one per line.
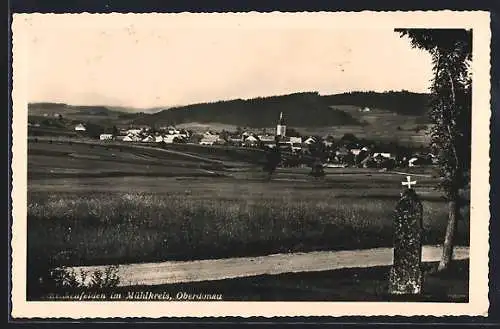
[131, 138]
[207, 141]
[266, 138]
[355, 151]
[295, 140]
[251, 138]
[310, 140]
[171, 138]
[148, 139]
[80, 127]
[128, 139]
[382, 154]
[106, 137]
[327, 143]
[296, 147]
[182, 133]
[411, 162]
[210, 134]
[158, 139]
[235, 139]
[173, 131]
[134, 131]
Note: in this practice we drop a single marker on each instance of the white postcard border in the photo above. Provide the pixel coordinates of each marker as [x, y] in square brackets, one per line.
[479, 244]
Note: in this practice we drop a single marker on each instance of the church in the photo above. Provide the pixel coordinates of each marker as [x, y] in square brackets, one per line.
[281, 127]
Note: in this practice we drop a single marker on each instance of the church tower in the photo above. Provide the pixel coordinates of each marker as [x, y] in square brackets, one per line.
[281, 126]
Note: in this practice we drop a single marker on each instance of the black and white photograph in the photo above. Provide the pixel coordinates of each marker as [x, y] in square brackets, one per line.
[160, 159]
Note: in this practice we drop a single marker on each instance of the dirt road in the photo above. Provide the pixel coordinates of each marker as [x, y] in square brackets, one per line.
[218, 269]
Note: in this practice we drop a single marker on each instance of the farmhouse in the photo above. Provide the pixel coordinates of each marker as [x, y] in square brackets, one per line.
[131, 138]
[212, 140]
[158, 139]
[173, 131]
[246, 134]
[251, 140]
[266, 138]
[148, 139]
[134, 131]
[210, 134]
[296, 147]
[169, 138]
[105, 137]
[80, 127]
[383, 154]
[173, 139]
[420, 160]
[128, 139]
[355, 151]
[205, 141]
[310, 140]
[235, 139]
[328, 143]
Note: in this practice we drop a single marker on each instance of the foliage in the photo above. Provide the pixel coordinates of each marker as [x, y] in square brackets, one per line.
[47, 278]
[300, 109]
[451, 102]
[401, 102]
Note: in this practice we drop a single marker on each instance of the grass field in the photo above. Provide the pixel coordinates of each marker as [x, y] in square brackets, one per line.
[150, 205]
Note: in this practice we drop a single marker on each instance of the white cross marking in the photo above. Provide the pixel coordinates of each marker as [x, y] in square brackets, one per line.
[408, 182]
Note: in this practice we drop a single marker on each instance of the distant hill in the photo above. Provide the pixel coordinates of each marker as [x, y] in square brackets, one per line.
[61, 108]
[400, 102]
[299, 109]
[393, 115]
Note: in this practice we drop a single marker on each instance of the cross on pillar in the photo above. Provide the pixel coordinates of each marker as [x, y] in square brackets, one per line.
[409, 182]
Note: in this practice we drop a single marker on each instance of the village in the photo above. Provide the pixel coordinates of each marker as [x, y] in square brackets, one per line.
[284, 161]
[348, 151]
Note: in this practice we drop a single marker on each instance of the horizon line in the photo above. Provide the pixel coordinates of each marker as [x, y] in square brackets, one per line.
[165, 107]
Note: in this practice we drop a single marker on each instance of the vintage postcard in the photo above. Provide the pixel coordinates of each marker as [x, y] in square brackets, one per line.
[250, 164]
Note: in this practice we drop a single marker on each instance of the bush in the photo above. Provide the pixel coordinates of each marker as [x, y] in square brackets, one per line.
[45, 280]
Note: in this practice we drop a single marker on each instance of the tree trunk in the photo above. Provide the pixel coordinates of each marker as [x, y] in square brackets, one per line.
[453, 212]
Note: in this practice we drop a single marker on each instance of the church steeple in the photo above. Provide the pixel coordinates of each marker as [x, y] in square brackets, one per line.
[281, 126]
[281, 122]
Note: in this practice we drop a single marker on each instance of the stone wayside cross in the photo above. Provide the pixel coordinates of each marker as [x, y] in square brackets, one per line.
[406, 274]
[408, 182]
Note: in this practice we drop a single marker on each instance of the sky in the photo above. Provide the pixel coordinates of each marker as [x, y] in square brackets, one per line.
[84, 61]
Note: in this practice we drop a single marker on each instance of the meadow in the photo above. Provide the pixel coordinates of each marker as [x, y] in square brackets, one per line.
[79, 218]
